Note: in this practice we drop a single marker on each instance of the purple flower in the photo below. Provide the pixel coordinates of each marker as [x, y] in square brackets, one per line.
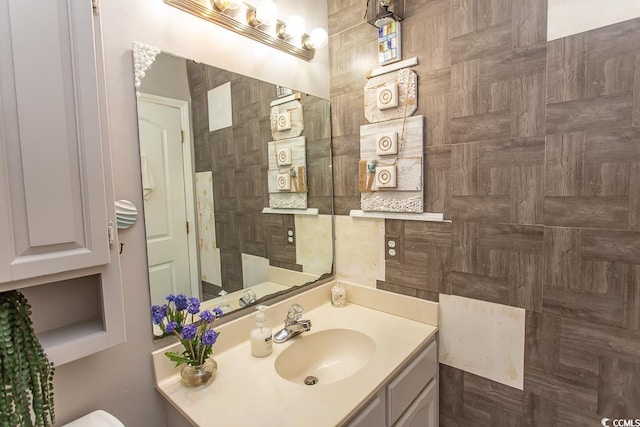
[193, 305]
[207, 316]
[158, 313]
[196, 338]
[171, 326]
[180, 301]
[189, 332]
[209, 337]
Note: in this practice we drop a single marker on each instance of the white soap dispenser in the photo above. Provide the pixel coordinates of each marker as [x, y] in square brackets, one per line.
[261, 335]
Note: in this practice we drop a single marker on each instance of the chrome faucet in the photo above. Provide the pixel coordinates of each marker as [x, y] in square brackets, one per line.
[247, 298]
[292, 325]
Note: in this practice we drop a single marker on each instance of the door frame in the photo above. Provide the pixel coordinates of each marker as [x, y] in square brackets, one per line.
[187, 168]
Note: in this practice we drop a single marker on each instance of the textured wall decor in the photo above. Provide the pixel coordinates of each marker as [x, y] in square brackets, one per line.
[287, 120]
[391, 96]
[143, 58]
[389, 43]
[287, 176]
[390, 169]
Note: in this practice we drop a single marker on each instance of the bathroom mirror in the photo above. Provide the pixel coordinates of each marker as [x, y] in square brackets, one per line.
[204, 135]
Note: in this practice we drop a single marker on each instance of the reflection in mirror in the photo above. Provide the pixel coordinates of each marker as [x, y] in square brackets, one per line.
[204, 136]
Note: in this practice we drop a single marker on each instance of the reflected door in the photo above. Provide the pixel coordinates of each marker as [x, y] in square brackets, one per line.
[167, 189]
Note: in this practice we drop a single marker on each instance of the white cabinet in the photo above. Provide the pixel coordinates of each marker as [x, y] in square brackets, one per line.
[56, 191]
[372, 415]
[424, 409]
[52, 176]
[409, 399]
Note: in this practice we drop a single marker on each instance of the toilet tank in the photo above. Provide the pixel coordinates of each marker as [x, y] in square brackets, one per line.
[97, 418]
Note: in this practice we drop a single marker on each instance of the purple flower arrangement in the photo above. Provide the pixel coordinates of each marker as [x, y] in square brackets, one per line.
[177, 317]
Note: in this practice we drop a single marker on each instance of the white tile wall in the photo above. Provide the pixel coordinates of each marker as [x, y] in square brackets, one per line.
[314, 244]
[483, 338]
[255, 270]
[210, 270]
[359, 249]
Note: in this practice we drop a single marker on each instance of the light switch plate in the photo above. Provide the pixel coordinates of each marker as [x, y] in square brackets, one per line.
[284, 182]
[387, 143]
[386, 177]
[283, 121]
[284, 156]
[387, 96]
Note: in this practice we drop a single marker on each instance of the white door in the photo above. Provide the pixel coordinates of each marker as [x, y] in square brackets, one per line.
[168, 206]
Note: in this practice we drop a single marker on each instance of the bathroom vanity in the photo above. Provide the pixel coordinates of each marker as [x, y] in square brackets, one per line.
[375, 361]
[410, 398]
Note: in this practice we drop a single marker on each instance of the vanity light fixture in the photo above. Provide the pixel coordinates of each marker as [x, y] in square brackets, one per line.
[316, 40]
[296, 26]
[223, 5]
[383, 12]
[265, 13]
[259, 23]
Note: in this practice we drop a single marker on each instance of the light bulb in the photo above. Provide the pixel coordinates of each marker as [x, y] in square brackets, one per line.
[317, 39]
[266, 12]
[295, 26]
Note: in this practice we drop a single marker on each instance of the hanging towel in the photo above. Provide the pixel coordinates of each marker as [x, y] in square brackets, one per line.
[147, 177]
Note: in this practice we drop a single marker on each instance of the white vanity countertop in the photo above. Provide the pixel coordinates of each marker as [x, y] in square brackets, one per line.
[247, 391]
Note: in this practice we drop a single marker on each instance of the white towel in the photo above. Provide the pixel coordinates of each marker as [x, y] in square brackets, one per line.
[147, 177]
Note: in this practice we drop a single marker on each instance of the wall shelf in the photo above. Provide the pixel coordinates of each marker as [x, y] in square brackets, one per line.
[405, 216]
[74, 341]
[308, 211]
[95, 323]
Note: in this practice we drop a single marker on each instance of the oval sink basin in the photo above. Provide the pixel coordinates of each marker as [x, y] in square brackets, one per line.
[327, 356]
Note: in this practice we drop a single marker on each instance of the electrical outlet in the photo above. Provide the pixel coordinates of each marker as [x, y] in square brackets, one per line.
[291, 236]
[392, 248]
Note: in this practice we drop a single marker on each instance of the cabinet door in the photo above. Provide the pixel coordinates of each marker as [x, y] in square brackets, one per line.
[405, 387]
[52, 125]
[372, 415]
[423, 412]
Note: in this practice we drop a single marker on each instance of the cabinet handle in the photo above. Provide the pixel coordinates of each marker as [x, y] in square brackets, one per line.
[110, 234]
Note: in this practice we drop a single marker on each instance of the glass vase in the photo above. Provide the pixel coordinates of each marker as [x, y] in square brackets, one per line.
[195, 376]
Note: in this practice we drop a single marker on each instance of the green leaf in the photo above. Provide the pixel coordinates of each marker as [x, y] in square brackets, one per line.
[178, 358]
[26, 375]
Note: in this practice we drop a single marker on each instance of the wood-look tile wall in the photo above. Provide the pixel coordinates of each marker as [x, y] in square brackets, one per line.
[533, 151]
[237, 156]
[583, 355]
